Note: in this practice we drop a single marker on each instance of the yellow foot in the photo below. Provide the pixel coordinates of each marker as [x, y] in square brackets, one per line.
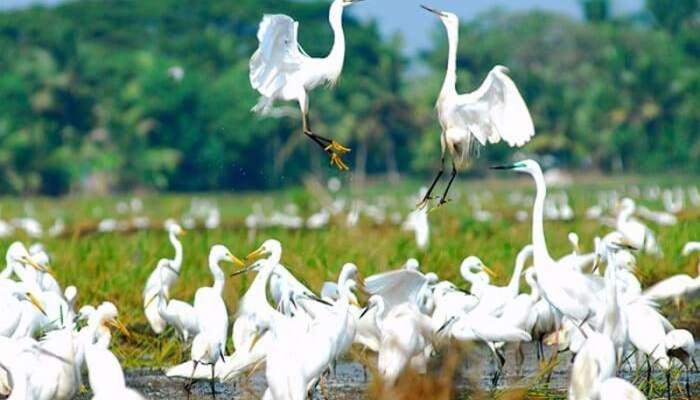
[338, 162]
[336, 147]
[422, 203]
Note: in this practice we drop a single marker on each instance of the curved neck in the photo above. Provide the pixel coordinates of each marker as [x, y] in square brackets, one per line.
[449, 85]
[624, 215]
[534, 288]
[612, 310]
[540, 253]
[519, 265]
[217, 273]
[177, 261]
[337, 55]
[6, 272]
[258, 289]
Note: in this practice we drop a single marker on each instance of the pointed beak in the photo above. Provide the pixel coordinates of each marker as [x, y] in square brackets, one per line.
[237, 261]
[512, 166]
[449, 321]
[29, 260]
[318, 299]
[119, 325]
[255, 255]
[365, 311]
[35, 301]
[434, 11]
[256, 337]
[625, 246]
[244, 270]
[489, 271]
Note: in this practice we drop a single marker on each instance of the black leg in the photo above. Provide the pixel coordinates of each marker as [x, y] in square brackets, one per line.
[668, 384]
[211, 382]
[188, 386]
[648, 377]
[432, 185]
[687, 381]
[444, 198]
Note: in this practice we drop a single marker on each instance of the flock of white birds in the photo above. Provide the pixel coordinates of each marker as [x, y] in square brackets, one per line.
[590, 304]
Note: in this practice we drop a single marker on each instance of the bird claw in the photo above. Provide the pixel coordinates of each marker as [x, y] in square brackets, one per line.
[338, 161]
[441, 203]
[337, 148]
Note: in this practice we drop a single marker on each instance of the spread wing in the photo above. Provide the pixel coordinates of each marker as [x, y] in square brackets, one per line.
[278, 54]
[396, 287]
[496, 111]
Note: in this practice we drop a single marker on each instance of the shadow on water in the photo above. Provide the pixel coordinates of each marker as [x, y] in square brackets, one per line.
[349, 381]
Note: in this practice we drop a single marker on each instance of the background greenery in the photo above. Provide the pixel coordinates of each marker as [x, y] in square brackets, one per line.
[87, 101]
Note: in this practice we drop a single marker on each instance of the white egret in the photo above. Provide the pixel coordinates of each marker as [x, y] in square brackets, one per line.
[567, 290]
[176, 313]
[638, 234]
[494, 112]
[593, 373]
[209, 345]
[106, 376]
[680, 344]
[281, 70]
[492, 299]
[417, 221]
[405, 333]
[253, 302]
[165, 278]
[676, 286]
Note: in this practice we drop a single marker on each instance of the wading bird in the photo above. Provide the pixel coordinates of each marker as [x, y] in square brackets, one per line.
[281, 70]
[493, 112]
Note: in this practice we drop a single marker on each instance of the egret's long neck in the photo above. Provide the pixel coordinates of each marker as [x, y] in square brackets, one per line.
[624, 215]
[519, 265]
[177, 261]
[449, 85]
[217, 274]
[540, 253]
[258, 289]
[612, 310]
[6, 272]
[337, 55]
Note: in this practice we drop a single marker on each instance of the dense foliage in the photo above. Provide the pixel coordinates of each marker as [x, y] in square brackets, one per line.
[90, 95]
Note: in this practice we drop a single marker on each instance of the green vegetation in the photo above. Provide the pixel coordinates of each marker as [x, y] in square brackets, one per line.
[87, 101]
[115, 266]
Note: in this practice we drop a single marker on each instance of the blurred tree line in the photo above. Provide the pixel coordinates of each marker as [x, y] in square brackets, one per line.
[118, 95]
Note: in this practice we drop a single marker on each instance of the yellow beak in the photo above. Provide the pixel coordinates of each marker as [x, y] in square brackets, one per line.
[119, 325]
[35, 301]
[256, 337]
[237, 261]
[489, 271]
[255, 255]
[29, 260]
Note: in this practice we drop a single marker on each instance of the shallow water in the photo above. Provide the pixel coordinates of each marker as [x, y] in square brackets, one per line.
[349, 382]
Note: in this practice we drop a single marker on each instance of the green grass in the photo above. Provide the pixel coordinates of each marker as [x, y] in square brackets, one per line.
[115, 266]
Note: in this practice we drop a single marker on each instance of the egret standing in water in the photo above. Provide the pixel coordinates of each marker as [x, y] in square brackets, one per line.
[493, 112]
[281, 70]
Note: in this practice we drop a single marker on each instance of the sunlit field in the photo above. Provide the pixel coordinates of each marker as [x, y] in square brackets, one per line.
[114, 265]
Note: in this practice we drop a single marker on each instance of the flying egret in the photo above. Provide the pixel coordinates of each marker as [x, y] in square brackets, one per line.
[165, 278]
[494, 112]
[281, 70]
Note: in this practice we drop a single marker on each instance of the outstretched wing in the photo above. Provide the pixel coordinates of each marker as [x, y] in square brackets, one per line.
[278, 54]
[396, 287]
[496, 111]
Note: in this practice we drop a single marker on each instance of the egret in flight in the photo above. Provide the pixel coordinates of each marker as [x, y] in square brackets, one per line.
[281, 70]
[495, 111]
